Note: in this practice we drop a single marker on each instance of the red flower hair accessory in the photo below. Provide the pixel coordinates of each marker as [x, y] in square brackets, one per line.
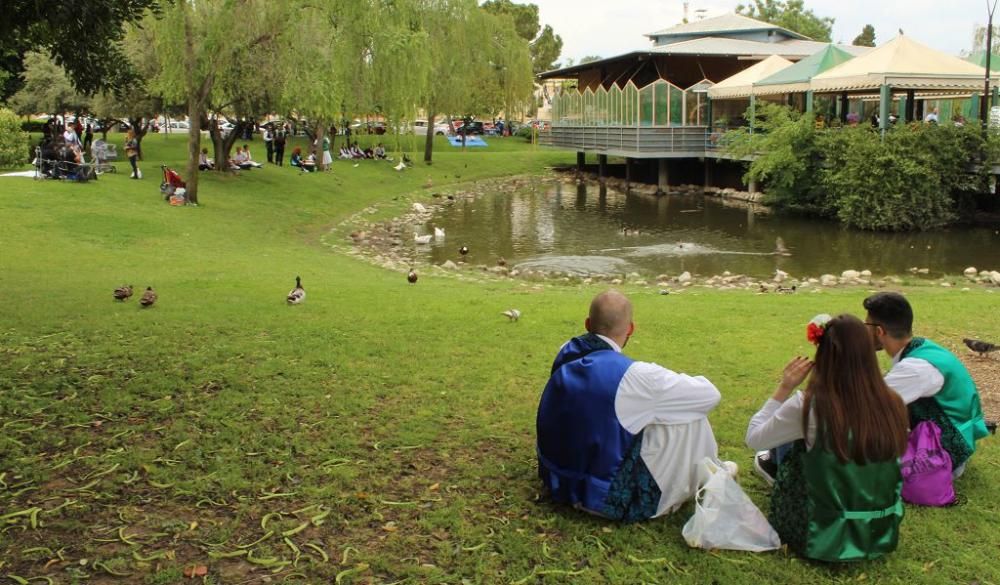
[817, 327]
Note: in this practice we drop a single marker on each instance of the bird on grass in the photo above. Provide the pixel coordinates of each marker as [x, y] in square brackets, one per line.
[786, 290]
[512, 314]
[400, 166]
[980, 347]
[411, 276]
[463, 250]
[123, 292]
[148, 298]
[297, 294]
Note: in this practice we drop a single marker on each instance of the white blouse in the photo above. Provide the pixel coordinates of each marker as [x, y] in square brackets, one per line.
[779, 423]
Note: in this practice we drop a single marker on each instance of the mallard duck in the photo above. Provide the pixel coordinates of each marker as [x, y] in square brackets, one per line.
[123, 292]
[411, 276]
[980, 347]
[438, 233]
[297, 294]
[512, 314]
[422, 239]
[148, 297]
[463, 250]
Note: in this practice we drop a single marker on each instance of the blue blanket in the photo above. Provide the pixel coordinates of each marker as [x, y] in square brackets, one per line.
[469, 141]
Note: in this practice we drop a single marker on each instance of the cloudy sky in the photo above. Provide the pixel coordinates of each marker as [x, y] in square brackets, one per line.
[610, 27]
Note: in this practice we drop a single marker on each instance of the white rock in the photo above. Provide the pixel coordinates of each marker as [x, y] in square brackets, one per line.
[995, 277]
[971, 271]
[727, 273]
[948, 284]
[684, 277]
[924, 271]
[449, 265]
[868, 273]
[828, 280]
[421, 209]
[644, 283]
[781, 275]
[618, 281]
[850, 275]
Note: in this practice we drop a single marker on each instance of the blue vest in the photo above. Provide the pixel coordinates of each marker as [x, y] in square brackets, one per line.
[581, 442]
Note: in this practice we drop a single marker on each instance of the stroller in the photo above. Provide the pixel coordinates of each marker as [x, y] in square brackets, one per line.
[102, 152]
[173, 187]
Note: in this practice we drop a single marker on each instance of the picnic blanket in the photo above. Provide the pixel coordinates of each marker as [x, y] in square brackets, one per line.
[469, 141]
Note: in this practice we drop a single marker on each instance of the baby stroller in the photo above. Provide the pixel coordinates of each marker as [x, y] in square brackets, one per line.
[103, 152]
[172, 187]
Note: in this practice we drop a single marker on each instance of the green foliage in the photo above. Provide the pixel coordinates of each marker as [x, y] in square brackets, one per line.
[792, 15]
[46, 88]
[866, 38]
[908, 181]
[545, 44]
[13, 140]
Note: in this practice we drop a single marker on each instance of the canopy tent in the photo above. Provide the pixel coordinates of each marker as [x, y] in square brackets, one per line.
[904, 64]
[979, 58]
[741, 84]
[795, 79]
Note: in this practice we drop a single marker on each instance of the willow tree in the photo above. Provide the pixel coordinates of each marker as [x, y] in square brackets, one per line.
[197, 44]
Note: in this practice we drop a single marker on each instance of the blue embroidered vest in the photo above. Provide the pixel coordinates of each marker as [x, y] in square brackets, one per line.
[581, 443]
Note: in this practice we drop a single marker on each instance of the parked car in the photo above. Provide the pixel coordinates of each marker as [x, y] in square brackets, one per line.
[178, 126]
[471, 129]
[420, 128]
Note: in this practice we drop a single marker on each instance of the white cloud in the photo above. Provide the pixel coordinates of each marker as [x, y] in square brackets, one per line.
[607, 28]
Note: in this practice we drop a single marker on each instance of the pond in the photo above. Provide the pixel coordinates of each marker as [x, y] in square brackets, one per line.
[559, 226]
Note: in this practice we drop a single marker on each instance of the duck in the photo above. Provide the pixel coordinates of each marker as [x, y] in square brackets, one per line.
[422, 239]
[148, 298]
[512, 314]
[123, 292]
[501, 261]
[438, 233]
[463, 250]
[297, 294]
[411, 276]
[980, 347]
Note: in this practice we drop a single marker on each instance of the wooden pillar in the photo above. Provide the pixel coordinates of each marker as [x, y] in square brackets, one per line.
[995, 98]
[920, 110]
[663, 179]
[910, 95]
[885, 97]
[581, 161]
[602, 167]
[752, 186]
[628, 173]
[709, 172]
[845, 105]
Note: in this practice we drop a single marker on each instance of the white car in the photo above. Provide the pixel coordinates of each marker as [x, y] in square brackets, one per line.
[420, 128]
[178, 125]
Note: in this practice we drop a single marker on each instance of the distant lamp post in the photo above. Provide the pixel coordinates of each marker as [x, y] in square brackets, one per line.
[984, 108]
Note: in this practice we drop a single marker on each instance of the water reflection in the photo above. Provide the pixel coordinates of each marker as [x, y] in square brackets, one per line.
[590, 229]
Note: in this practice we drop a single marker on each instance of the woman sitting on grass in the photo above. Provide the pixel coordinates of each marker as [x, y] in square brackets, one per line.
[205, 163]
[834, 448]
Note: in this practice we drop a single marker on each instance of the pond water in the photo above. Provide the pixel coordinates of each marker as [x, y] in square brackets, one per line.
[586, 229]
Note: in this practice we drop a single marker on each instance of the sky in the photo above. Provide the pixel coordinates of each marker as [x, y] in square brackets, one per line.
[611, 27]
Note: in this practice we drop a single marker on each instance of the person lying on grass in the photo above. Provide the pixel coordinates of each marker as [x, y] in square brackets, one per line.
[933, 383]
[836, 448]
[619, 438]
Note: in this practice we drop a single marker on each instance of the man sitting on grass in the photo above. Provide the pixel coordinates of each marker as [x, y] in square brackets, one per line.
[616, 437]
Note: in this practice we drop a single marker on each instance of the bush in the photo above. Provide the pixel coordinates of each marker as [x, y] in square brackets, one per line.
[13, 140]
[524, 132]
[35, 126]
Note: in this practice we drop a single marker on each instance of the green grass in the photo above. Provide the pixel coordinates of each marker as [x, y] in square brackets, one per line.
[389, 426]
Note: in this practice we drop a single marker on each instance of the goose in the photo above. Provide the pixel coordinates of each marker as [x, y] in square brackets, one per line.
[463, 250]
[438, 233]
[512, 314]
[148, 298]
[411, 276]
[422, 239]
[297, 294]
[400, 166]
[123, 292]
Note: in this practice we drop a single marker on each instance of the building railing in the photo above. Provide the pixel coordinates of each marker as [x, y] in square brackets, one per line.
[634, 141]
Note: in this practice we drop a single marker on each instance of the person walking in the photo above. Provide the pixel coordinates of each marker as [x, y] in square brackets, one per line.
[269, 142]
[279, 148]
[132, 152]
[88, 137]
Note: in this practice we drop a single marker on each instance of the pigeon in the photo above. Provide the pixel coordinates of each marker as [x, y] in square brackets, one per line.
[148, 298]
[411, 276]
[422, 239]
[297, 294]
[463, 250]
[438, 233]
[980, 347]
[512, 314]
[123, 292]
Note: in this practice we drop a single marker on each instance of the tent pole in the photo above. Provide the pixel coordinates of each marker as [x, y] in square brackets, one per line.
[885, 96]
[809, 101]
[753, 112]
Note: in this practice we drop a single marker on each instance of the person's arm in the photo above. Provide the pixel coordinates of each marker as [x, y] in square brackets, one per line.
[913, 379]
[649, 393]
[776, 423]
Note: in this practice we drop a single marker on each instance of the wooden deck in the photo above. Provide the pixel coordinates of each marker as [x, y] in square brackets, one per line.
[632, 141]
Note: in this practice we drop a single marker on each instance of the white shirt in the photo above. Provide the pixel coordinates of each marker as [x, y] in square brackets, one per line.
[913, 378]
[779, 423]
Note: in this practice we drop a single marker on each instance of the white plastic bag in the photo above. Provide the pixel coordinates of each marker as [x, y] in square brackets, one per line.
[724, 517]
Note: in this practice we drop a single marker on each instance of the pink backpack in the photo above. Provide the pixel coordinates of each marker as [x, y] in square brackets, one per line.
[926, 468]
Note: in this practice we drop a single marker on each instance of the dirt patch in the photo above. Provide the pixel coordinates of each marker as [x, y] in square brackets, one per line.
[986, 372]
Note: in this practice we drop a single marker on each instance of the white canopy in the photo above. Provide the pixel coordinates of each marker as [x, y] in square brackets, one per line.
[741, 84]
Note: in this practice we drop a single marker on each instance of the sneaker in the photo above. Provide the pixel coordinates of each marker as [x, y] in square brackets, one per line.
[765, 467]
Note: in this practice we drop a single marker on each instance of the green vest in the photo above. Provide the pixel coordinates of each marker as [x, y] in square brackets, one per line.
[834, 512]
[957, 403]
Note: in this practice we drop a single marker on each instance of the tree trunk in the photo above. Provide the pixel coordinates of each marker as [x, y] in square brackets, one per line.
[317, 147]
[429, 141]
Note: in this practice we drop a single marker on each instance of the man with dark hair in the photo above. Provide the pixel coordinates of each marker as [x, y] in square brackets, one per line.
[933, 383]
[616, 437]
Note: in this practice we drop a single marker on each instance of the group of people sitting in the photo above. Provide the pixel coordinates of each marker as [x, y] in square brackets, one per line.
[353, 151]
[61, 156]
[620, 438]
[242, 160]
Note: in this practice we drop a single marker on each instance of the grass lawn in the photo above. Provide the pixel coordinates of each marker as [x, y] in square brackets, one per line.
[378, 433]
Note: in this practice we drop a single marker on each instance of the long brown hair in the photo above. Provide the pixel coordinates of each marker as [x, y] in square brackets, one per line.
[858, 417]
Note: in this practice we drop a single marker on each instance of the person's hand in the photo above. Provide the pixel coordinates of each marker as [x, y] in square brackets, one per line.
[795, 373]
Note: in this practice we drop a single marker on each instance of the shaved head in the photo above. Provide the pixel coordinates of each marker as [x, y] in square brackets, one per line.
[610, 315]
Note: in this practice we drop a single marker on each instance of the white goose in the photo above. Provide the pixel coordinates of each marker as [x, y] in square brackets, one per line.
[422, 239]
[438, 233]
